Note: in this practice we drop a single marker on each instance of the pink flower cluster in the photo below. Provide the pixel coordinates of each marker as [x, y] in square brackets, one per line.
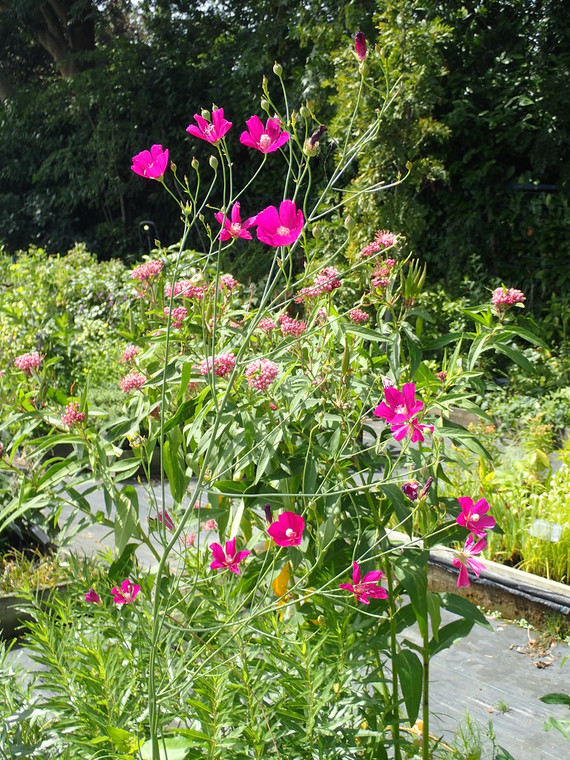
[365, 588]
[228, 281]
[133, 381]
[209, 525]
[224, 363]
[129, 353]
[267, 325]
[503, 298]
[290, 326]
[28, 362]
[125, 594]
[358, 316]
[326, 281]
[381, 276]
[400, 410]
[148, 270]
[261, 373]
[178, 315]
[474, 517]
[383, 239]
[185, 289]
[72, 416]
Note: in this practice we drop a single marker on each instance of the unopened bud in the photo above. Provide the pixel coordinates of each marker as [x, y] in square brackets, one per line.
[304, 111]
[349, 223]
[195, 164]
[426, 488]
[173, 167]
[360, 45]
[364, 68]
[277, 69]
[317, 232]
[268, 513]
[265, 105]
[205, 114]
[213, 163]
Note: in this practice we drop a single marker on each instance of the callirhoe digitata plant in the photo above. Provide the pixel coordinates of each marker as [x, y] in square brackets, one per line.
[300, 429]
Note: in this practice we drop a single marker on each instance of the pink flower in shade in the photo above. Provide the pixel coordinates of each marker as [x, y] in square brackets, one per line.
[129, 353]
[400, 410]
[227, 559]
[229, 282]
[261, 373]
[178, 315]
[265, 139]
[360, 45]
[386, 239]
[224, 363]
[366, 588]
[209, 525]
[281, 227]
[474, 517]
[28, 362]
[151, 164]
[92, 597]
[72, 416]
[127, 593]
[464, 560]
[213, 131]
[133, 381]
[233, 227]
[294, 327]
[147, 271]
[267, 325]
[358, 316]
[503, 298]
[288, 530]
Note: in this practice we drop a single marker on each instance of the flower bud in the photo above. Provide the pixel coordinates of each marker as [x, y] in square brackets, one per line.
[317, 232]
[173, 167]
[305, 113]
[364, 68]
[213, 163]
[265, 105]
[268, 513]
[205, 114]
[360, 45]
[349, 223]
[277, 69]
[195, 164]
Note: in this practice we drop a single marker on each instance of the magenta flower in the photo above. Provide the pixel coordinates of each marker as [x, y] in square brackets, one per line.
[464, 560]
[367, 587]
[360, 45]
[281, 227]
[212, 131]
[93, 597]
[127, 593]
[151, 164]
[233, 227]
[266, 139]
[164, 517]
[410, 489]
[288, 530]
[474, 517]
[400, 410]
[228, 559]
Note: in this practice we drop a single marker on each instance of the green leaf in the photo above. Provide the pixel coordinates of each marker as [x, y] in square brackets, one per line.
[556, 698]
[458, 605]
[449, 634]
[173, 748]
[516, 356]
[410, 674]
[444, 340]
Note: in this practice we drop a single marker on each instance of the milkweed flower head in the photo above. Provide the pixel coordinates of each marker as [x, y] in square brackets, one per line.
[28, 362]
[229, 282]
[474, 517]
[223, 364]
[267, 325]
[72, 416]
[127, 592]
[227, 559]
[177, 314]
[211, 131]
[148, 270]
[185, 289]
[358, 316]
[261, 373]
[133, 381]
[287, 530]
[151, 164]
[232, 225]
[465, 560]
[325, 281]
[400, 410]
[503, 298]
[129, 353]
[360, 45]
[365, 588]
[266, 139]
[209, 525]
[289, 326]
[281, 227]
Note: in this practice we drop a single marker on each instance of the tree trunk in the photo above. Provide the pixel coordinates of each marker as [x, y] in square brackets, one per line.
[63, 36]
[6, 88]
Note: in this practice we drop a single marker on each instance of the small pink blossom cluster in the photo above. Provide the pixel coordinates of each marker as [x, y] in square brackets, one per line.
[326, 281]
[503, 298]
[209, 525]
[289, 326]
[261, 373]
[178, 315]
[383, 239]
[188, 539]
[72, 416]
[441, 376]
[28, 362]
[267, 325]
[358, 316]
[148, 270]
[381, 275]
[133, 381]
[474, 517]
[185, 289]
[129, 353]
[228, 281]
[224, 363]
[125, 594]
